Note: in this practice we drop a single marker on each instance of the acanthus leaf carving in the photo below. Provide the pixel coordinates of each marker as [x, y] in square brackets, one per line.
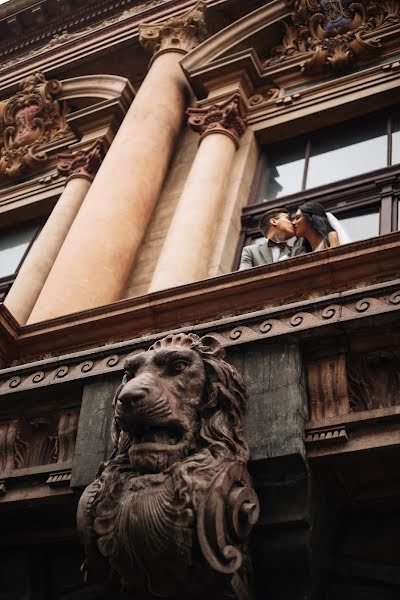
[183, 32]
[227, 117]
[176, 491]
[336, 33]
[30, 119]
[82, 162]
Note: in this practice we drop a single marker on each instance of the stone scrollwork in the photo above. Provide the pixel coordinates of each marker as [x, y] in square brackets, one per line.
[183, 32]
[226, 117]
[29, 120]
[170, 512]
[82, 162]
[337, 33]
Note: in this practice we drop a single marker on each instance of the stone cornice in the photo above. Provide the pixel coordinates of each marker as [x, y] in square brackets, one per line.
[303, 319]
[333, 271]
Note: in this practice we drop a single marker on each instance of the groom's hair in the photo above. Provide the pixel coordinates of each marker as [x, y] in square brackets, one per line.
[265, 221]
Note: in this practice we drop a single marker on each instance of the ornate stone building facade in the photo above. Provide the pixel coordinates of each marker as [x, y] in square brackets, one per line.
[140, 142]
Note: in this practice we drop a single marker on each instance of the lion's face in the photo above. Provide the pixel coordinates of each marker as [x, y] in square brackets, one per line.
[157, 405]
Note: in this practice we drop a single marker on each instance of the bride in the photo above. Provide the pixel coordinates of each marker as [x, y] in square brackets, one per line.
[319, 229]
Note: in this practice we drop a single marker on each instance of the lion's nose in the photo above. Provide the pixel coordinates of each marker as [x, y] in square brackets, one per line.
[131, 396]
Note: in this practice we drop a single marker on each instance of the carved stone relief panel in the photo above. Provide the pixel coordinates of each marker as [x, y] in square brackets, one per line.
[348, 383]
[327, 388]
[38, 440]
[337, 33]
[374, 380]
[170, 512]
[29, 120]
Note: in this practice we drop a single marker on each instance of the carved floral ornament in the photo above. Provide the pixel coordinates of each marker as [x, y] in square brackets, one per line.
[226, 117]
[83, 162]
[28, 120]
[336, 32]
[183, 32]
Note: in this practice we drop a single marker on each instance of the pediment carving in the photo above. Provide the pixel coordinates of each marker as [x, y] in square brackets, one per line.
[337, 33]
[30, 119]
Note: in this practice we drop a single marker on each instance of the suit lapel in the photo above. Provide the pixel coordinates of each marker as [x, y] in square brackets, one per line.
[266, 252]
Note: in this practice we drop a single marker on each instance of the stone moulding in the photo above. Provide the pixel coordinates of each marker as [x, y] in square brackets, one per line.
[29, 120]
[176, 490]
[296, 319]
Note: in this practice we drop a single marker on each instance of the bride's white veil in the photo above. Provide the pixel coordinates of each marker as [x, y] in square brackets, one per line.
[343, 236]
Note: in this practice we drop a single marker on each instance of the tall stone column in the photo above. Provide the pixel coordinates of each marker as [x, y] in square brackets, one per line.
[97, 256]
[80, 168]
[187, 249]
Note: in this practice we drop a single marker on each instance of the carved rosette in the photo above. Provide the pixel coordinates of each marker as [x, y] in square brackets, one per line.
[226, 117]
[337, 33]
[83, 162]
[181, 33]
[28, 121]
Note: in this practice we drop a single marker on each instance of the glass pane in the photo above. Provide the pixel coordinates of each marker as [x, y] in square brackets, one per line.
[13, 245]
[396, 140]
[285, 169]
[348, 149]
[361, 227]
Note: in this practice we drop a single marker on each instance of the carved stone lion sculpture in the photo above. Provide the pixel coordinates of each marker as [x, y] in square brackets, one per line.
[171, 510]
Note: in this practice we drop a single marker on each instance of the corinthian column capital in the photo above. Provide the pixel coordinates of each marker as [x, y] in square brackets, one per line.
[180, 34]
[226, 117]
[82, 163]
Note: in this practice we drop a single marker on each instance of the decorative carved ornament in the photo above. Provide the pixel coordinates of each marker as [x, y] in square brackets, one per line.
[84, 162]
[225, 117]
[171, 510]
[374, 380]
[182, 33]
[28, 120]
[34, 441]
[336, 32]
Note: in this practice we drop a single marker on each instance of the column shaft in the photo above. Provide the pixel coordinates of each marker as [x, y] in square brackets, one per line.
[97, 255]
[187, 249]
[34, 271]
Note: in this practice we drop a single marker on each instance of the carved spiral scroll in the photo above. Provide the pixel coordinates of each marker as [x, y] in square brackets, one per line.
[226, 517]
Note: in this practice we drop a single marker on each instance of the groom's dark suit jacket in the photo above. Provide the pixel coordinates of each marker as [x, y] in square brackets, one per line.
[257, 255]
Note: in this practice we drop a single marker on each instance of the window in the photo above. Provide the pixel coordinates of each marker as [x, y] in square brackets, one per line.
[352, 168]
[332, 154]
[14, 246]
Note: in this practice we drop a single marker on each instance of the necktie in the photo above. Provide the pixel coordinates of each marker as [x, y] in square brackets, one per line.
[272, 243]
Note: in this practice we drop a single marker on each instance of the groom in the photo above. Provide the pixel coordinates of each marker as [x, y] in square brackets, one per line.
[277, 227]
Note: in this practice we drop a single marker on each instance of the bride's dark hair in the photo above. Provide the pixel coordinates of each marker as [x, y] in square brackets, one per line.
[315, 214]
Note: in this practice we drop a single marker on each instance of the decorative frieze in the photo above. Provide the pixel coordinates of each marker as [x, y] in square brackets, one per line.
[83, 162]
[38, 440]
[28, 120]
[181, 33]
[269, 324]
[337, 33]
[226, 117]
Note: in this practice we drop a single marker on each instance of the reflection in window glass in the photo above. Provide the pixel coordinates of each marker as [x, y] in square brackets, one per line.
[13, 245]
[285, 169]
[396, 141]
[347, 150]
[361, 227]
